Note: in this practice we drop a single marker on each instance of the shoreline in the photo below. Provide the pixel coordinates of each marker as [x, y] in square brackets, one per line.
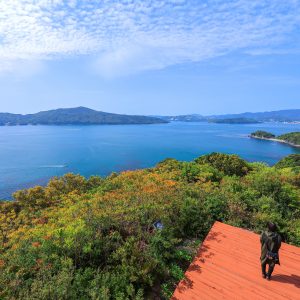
[275, 140]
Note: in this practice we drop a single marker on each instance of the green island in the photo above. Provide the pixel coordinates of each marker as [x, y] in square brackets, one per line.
[292, 138]
[99, 238]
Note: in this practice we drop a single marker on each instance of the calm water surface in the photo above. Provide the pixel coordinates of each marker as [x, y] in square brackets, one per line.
[30, 155]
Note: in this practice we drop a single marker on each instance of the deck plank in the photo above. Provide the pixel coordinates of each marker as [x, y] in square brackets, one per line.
[227, 266]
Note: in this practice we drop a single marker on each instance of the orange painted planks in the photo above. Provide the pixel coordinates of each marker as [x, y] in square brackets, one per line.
[227, 266]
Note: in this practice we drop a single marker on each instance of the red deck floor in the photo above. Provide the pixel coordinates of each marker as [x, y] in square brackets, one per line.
[227, 266]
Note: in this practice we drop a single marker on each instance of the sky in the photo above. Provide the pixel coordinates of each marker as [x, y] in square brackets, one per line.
[150, 57]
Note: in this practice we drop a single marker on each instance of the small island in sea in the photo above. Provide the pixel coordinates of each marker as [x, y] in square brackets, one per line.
[292, 138]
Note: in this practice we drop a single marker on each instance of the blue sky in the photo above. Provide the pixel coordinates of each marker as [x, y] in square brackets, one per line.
[150, 57]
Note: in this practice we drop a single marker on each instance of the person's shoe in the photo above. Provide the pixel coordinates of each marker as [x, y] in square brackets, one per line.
[268, 277]
[264, 276]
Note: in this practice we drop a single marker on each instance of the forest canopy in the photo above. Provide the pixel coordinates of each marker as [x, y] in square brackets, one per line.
[292, 137]
[96, 238]
[263, 134]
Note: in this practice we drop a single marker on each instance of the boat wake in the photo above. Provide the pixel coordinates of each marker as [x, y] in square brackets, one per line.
[53, 166]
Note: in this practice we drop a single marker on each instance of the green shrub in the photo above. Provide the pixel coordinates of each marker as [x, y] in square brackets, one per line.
[228, 164]
[290, 161]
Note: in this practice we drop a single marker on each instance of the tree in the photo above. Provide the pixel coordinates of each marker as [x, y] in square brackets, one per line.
[228, 164]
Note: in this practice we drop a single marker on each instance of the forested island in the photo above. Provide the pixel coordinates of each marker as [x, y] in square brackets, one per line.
[98, 238]
[292, 138]
[75, 116]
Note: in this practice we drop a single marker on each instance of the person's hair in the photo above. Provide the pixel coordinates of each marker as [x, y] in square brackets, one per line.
[271, 226]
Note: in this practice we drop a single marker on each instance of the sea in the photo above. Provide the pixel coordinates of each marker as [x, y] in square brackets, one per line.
[31, 155]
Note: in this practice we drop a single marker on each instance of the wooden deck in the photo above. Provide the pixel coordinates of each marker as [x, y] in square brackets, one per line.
[227, 266]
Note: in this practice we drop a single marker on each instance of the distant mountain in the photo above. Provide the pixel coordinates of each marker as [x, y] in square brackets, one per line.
[235, 121]
[184, 118]
[87, 116]
[74, 116]
[289, 115]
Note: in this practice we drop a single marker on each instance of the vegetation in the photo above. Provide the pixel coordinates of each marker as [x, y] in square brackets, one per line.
[94, 238]
[235, 121]
[227, 164]
[290, 161]
[293, 138]
[263, 134]
[79, 115]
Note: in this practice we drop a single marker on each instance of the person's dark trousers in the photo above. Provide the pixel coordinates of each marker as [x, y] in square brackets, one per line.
[270, 270]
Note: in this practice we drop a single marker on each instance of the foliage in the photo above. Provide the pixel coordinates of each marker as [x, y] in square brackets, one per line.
[94, 238]
[229, 164]
[263, 134]
[292, 137]
[290, 161]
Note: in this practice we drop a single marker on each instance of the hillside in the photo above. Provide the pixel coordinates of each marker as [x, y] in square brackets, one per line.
[290, 161]
[292, 138]
[289, 115]
[75, 116]
[132, 235]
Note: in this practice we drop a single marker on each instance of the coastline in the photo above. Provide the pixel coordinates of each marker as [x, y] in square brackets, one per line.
[275, 140]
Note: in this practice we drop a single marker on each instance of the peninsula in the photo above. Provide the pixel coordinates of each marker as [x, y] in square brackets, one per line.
[75, 116]
[292, 138]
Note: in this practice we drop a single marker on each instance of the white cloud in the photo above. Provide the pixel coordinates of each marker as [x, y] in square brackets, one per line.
[20, 68]
[129, 36]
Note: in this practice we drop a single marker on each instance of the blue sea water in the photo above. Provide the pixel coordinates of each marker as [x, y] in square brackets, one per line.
[30, 155]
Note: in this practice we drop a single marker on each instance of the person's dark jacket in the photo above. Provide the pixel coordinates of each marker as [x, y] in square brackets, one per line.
[270, 241]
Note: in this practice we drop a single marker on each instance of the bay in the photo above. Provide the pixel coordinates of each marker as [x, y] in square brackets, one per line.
[31, 155]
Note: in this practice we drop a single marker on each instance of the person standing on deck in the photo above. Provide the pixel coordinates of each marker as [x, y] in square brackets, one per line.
[270, 244]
